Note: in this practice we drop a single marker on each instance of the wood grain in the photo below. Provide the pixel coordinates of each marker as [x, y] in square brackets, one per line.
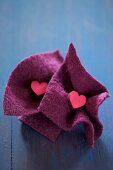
[28, 27]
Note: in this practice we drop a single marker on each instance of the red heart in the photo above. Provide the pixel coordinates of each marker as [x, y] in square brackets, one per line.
[39, 88]
[76, 100]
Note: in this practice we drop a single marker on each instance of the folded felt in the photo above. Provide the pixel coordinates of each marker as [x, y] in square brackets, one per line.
[19, 98]
[73, 76]
[53, 112]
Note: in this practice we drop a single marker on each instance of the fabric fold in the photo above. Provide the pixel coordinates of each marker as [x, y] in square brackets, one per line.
[73, 76]
[41, 124]
[51, 113]
[19, 99]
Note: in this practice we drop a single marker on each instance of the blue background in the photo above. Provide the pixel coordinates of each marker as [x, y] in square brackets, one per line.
[33, 26]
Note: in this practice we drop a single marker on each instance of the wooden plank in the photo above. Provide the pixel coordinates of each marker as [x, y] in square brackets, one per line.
[35, 26]
[5, 135]
[5, 142]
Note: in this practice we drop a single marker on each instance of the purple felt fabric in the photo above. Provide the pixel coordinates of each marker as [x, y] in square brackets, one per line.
[53, 112]
[20, 100]
[56, 105]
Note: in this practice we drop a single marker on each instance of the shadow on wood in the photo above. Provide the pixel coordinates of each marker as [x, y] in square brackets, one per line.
[68, 152]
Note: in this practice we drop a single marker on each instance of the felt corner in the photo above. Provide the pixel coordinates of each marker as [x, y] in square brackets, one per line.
[82, 81]
[18, 98]
[73, 76]
[42, 124]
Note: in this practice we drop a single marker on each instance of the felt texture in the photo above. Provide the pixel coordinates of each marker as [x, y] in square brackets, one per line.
[52, 113]
[56, 105]
[19, 99]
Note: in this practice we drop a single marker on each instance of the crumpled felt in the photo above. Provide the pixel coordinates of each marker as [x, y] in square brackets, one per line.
[53, 113]
[19, 99]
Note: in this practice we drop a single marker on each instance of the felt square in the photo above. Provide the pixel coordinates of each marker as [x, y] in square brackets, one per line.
[56, 105]
[20, 100]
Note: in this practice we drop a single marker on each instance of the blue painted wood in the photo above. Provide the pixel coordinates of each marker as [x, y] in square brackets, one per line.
[28, 27]
[5, 124]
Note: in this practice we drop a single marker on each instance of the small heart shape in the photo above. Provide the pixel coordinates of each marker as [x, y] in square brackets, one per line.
[76, 100]
[38, 88]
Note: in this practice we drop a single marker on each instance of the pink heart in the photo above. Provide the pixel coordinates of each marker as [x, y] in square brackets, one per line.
[38, 88]
[76, 100]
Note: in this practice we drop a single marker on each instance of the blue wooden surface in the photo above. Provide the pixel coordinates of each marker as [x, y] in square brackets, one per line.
[33, 26]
